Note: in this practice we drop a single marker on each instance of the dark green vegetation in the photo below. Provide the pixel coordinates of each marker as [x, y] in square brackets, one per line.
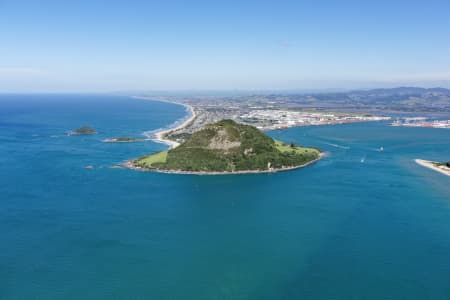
[179, 137]
[447, 164]
[227, 146]
[83, 131]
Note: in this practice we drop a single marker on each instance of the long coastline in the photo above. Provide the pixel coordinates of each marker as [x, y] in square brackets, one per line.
[430, 165]
[160, 136]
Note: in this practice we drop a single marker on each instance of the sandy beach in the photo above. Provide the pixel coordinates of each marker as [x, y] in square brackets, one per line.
[160, 135]
[431, 165]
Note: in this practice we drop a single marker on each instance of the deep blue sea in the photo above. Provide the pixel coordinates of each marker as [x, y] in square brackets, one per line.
[359, 224]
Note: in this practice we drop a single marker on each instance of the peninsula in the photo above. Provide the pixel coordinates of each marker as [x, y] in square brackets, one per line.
[440, 167]
[227, 147]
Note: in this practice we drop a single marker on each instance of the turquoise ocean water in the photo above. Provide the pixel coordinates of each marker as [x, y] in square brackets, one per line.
[360, 224]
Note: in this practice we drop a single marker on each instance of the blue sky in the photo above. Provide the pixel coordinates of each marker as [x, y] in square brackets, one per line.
[90, 46]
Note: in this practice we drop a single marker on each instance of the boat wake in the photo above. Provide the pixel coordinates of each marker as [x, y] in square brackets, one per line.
[337, 146]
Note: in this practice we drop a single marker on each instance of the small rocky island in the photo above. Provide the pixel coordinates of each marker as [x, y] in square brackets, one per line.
[120, 140]
[227, 147]
[84, 130]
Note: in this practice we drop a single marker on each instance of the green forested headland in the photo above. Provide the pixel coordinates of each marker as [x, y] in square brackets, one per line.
[227, 146]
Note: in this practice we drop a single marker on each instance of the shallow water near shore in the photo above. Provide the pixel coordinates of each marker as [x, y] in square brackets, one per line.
[359, 224]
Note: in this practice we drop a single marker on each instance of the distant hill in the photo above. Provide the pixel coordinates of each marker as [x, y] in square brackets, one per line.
[405, 98]
[227, 146]
[402, 92]
[400, 99]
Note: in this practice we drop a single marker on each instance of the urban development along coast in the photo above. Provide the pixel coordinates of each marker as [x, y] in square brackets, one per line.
[272, 111]
[264, 116]
[277, 112]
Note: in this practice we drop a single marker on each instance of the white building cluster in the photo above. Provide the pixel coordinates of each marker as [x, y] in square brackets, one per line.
[422, 122]
[278, 119]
